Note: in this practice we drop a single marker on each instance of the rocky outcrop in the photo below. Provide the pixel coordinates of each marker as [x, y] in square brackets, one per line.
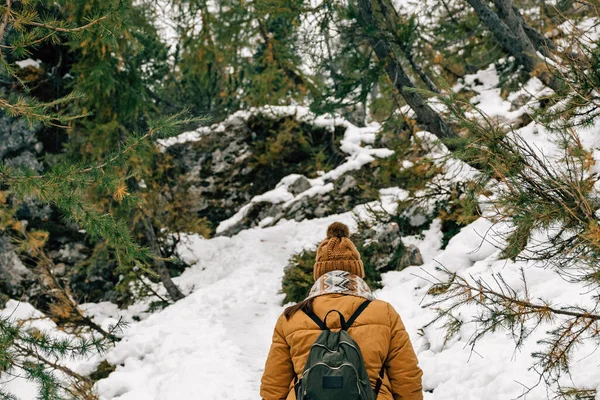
[230, 163]
[19, 147]
[384, 250]
[343, 196]
[257, 168]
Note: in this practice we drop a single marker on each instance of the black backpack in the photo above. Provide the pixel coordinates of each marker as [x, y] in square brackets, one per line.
[335, 369]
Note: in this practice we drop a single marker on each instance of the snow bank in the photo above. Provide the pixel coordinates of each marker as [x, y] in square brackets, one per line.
[223, 328]
[213, 344]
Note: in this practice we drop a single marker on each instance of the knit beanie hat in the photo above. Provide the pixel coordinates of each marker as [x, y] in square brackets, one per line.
[338, 253]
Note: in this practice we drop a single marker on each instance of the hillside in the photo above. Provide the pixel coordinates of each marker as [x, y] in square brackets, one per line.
[145, 254]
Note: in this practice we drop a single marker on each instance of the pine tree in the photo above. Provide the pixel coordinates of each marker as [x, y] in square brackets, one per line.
[557, 198]
[72, 182]
[377, 22]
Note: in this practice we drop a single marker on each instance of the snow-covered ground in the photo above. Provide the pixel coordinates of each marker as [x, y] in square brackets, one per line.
[213, 343]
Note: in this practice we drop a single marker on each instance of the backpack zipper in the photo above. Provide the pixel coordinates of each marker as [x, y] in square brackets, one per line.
[333, 351]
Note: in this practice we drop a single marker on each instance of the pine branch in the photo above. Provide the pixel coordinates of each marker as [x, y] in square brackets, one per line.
[61, 29]
[482, 293]
[501, 307]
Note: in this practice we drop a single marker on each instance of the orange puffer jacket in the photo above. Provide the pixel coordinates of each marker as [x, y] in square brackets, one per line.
[378, 331]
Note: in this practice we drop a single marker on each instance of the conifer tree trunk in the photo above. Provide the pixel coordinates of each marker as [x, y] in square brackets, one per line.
[541, 42]
[419, 71]
[374, 25]
[512, 17]
[506, 11]
[512, 36]
[159, 264]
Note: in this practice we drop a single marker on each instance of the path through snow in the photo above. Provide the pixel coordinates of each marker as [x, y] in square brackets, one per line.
[213, 344]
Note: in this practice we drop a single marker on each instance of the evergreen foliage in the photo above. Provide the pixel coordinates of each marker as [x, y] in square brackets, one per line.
[108, 84]
[78, 182]
[551, 211]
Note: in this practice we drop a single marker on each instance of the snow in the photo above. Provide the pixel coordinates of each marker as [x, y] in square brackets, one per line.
[218, 336]
[213, 343]
[28, 62]
[225, 324]
[488, 99]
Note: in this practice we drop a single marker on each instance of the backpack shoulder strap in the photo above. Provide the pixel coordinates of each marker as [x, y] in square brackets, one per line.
[379, 380]
[317, 320]
[345, 324]
[358, 311]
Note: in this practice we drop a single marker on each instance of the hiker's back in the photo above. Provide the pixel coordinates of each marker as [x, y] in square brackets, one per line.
[372, 331]
[375, 331]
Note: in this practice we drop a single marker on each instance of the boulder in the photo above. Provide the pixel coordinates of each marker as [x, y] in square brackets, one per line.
[14, 276]
[301, 184]
[412, 256]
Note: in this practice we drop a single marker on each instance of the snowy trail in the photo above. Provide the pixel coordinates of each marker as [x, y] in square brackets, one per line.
[213, 344]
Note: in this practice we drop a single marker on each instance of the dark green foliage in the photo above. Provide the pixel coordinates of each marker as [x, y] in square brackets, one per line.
[298, 277]
[284, 146]
[250, 61]
[273, 148]
[34, 353]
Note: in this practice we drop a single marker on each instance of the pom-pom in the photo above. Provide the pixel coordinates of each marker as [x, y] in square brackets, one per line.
[337, 229]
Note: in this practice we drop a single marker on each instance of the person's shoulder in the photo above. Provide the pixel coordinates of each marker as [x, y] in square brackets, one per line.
[384, 307]
[382, 304]
[296, 321]
[281, 321]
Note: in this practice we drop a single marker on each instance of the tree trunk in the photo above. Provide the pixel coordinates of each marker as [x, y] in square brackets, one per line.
[512, 37]
[506, 12]
[515, 20]
[159, 264]
[389, 16]
[375, 27]
[503, 34]
[543, 44]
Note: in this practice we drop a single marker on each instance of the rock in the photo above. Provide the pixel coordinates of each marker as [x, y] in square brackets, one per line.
[519, 101]
[411, 256]
[348, 183]
[233, 162]
[384, 246]
[388, 233]
[301, 184]
[321, 210]
[60, 269]
[70, 253]
[12, 270]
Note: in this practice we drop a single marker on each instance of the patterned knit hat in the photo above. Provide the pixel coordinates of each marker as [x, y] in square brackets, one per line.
[338, 253]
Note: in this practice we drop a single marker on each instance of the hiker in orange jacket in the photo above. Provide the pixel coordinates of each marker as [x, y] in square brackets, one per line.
[378, 330]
